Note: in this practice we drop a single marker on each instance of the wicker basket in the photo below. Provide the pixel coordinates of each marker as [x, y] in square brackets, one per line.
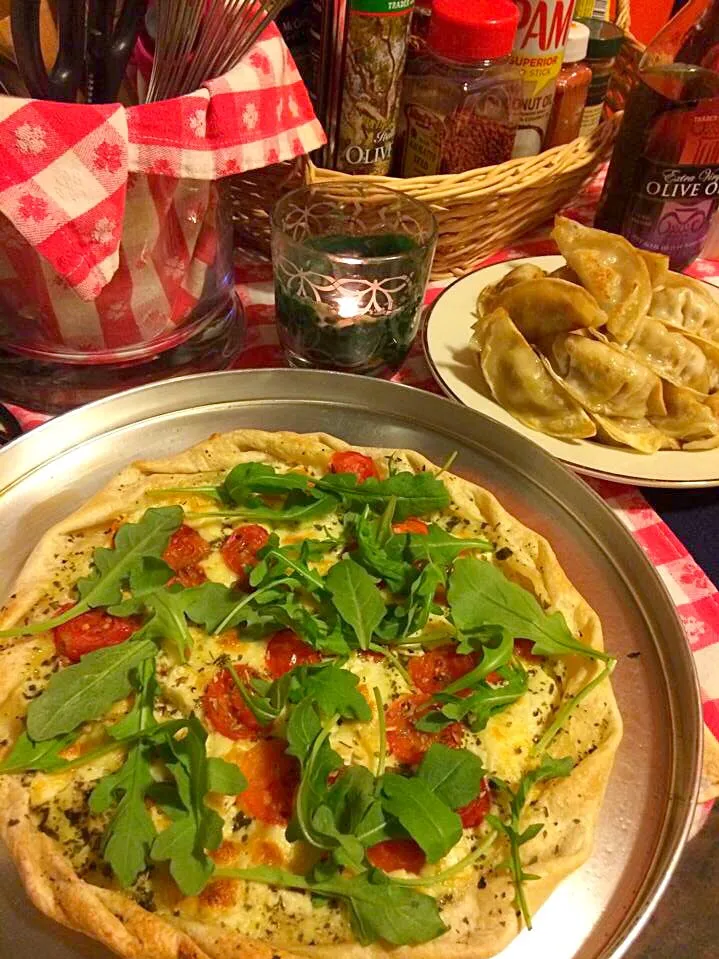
[478, 211]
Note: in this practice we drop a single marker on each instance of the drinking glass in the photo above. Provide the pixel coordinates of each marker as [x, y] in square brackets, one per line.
[351, 264]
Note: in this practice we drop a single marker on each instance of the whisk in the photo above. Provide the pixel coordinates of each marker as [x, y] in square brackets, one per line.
[198, 40]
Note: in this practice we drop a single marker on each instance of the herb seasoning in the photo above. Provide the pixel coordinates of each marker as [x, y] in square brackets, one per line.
[460, 95]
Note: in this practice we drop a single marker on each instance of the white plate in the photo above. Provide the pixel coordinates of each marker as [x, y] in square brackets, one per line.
[447, 335]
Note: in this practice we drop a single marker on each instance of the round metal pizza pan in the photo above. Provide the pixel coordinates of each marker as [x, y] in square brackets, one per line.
[598, 911]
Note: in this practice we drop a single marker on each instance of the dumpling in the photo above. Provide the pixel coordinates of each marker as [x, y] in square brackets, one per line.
[639, 435]
[487, 300]
[566, 273]
[603, 379]
[686, 303]
[674, 356]
[546, 306]
[687, 418]
[657, 264]
[611, 269]
[520, 383]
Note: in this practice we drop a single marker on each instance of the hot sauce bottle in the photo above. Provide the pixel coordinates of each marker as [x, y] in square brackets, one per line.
[662, 187]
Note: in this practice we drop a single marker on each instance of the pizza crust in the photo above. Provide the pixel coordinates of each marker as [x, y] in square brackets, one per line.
[573, 803]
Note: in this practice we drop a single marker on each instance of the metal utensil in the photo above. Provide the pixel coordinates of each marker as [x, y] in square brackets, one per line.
[198, 40]
[110, 41]
[650, 798]
[64, 79]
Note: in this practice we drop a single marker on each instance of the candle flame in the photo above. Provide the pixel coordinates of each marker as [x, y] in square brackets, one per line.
[346, 307]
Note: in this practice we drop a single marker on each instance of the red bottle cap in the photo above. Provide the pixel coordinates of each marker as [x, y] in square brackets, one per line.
[470, 30]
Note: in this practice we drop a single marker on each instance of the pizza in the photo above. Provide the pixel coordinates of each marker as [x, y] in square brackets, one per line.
[277, 696]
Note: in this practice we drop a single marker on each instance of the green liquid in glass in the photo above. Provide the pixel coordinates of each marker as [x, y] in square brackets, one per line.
[313, 334]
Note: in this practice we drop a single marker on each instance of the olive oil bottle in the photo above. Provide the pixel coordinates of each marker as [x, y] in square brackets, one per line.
[662, 187]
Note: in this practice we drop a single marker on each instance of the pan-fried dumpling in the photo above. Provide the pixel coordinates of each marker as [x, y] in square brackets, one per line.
[657, 264]
[611, 269]
[565, 273]
[639, 435]
[687, 417]
[489, 296]
[686, 303]
[547, 306]
[603, 379]
[674, 356]
[519, 382]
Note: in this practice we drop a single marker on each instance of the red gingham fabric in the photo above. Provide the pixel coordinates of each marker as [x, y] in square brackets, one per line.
[695, 596]
[64, 167]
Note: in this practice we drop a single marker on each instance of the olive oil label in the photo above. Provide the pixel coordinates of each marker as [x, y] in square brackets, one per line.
[375, 54]
[674, 203]
[538, 52]
[422, 154]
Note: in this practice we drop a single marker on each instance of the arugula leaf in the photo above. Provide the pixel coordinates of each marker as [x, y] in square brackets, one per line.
[303, 728]
[334, 691]
[130, 832]
[415, 493]
[311, 793]
[248, 478]
[224, 778]
[86, 690]
[379, 551]
[421, 598]
[549, 768]
[141, 716]
[323, 630]
[428, 820]
[209, 604]
[485, 701]
[480, 595]
[493, 657]
[40, 757]
[439, 546]
[568, 707]
[297, 509]
[356, 809]
[134, 543]
[196, 827]
[258, 702]
[168, 622]
[356, 598]
[277, 563]
[379, 908]
[453, 775]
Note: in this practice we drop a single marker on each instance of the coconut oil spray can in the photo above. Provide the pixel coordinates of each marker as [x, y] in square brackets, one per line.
[538, 52]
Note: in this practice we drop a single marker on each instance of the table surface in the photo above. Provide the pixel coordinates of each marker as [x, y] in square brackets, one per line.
[693, 516]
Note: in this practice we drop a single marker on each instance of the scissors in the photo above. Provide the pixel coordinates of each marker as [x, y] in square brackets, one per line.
[110, 42]
[64, 79]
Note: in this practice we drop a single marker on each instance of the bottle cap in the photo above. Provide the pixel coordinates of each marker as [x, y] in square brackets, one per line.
[605, 38]
[577, 42]
[471, 30]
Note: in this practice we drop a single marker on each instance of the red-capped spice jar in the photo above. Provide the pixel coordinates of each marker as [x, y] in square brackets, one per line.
[460, 96]
[570, 93]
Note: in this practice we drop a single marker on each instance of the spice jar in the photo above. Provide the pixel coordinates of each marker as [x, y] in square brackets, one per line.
[460, 97]
[605, 39]
[570, 94]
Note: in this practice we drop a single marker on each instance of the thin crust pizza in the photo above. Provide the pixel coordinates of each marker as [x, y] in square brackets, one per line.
[276, 696]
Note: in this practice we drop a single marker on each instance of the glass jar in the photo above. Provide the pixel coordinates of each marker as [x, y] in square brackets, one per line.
[570, 93]
[169, 310]
[605, 39]
[459, 106]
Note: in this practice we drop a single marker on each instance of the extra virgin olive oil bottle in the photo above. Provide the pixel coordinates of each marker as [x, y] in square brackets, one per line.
[662, 187]
[359, 48]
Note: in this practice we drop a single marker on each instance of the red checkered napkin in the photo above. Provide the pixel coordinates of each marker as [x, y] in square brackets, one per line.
[64, 167]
